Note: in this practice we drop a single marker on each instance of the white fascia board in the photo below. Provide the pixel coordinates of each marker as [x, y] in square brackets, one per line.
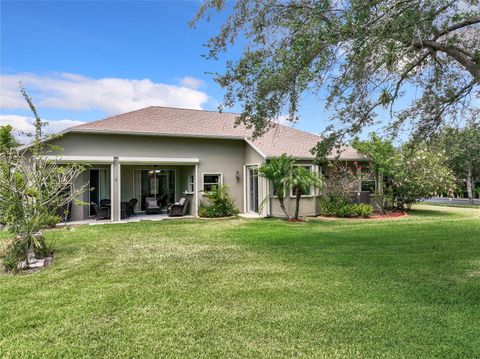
[158, 160]
[86, 159]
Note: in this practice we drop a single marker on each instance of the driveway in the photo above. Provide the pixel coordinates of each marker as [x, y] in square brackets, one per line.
[450, 200]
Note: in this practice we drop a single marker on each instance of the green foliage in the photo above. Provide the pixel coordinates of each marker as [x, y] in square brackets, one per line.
[301, 181]
[278, 171]
[219, 204]
[366, 54]
[336, 206]
[286, 177]
[420, 173]
[7, 140]
[15, 252]
[363, 210]
[462, 152]
[32, 187]
[381, 153]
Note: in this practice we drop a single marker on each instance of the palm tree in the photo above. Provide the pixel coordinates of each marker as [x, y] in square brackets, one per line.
[301, 181]
[279, 171]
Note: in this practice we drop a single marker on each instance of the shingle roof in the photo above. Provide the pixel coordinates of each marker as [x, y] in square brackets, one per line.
[169, 121]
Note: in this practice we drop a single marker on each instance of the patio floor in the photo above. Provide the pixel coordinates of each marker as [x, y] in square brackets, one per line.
[138, 218]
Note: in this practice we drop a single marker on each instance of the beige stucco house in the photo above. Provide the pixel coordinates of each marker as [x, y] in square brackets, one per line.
[175, 152]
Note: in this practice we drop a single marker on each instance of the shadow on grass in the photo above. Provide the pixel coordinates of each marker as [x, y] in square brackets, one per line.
[421, 212]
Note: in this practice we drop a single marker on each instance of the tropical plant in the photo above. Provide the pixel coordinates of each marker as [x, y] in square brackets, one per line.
[302, 181]
[336, 206]
[7, 140]
[363, 210]
[278, 170]
[366, 55]
[32, 188]
[219, 203]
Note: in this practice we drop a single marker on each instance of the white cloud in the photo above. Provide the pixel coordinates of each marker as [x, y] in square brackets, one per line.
[283, 120]
[191, 82]
[23, 126]
[111, 95]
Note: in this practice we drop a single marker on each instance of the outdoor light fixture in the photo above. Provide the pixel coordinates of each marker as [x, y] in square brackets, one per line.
[237, 176]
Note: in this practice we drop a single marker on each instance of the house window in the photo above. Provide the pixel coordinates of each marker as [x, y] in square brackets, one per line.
[308, 192]
[191, 184]
[368, 186]
[211, 181]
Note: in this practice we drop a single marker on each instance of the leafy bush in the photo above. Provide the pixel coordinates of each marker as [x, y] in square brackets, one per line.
[420, 173]
[219, 204]
[336, 206]
[363, 210]
[50, 220]
[14, 254]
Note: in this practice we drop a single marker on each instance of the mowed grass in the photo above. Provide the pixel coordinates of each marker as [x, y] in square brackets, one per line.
[406, 287]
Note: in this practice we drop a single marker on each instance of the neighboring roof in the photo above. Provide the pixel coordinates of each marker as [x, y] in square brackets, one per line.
[167, 121]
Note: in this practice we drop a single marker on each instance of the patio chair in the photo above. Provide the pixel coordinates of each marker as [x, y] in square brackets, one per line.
[101, 212]
[178, 208]
[105, 203]
[151, 206]
[131, 207]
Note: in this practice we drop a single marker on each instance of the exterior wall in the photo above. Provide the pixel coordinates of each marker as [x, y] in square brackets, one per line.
[223, 156]
[253, 158]
[226, 157]
[309, 206]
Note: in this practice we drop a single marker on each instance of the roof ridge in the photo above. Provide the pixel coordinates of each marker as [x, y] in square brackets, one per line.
[110, 117]
[195, 109]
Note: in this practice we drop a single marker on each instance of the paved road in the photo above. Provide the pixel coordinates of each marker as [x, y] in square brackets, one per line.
[450, 201]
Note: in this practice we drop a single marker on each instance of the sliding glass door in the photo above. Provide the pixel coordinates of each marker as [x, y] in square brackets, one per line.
[252, 187]
[158, 183]
[100, 187]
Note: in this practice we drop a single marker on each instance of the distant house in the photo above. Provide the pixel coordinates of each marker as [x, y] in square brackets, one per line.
[171, 153]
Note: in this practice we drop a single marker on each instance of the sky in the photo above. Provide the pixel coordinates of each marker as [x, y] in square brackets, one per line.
[85, 60]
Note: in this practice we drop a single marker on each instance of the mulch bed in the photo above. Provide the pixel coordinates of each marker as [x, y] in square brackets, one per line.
[376, 216]
[388, 215]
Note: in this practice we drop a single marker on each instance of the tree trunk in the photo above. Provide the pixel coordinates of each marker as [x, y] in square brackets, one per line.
[379, 184]
[298, 193]
[282, 206]
[469, 180]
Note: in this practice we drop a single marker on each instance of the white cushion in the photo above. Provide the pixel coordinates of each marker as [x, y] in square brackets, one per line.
[152, 203]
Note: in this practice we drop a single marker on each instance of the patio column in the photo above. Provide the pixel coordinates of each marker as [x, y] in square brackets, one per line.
[196, 191]
[116, 190]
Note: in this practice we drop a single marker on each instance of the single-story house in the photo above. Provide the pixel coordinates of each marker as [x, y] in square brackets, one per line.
[171, 153]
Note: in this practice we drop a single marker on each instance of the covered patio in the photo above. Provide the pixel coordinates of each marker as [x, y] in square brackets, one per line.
[140, 217]
[135, 188]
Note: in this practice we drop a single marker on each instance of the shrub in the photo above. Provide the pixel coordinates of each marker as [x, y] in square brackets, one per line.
[219, 204]
[336, 206]
[363, 210]
[14, 254]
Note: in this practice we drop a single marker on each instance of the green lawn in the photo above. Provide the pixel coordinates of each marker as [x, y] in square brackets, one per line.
[405, 287]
